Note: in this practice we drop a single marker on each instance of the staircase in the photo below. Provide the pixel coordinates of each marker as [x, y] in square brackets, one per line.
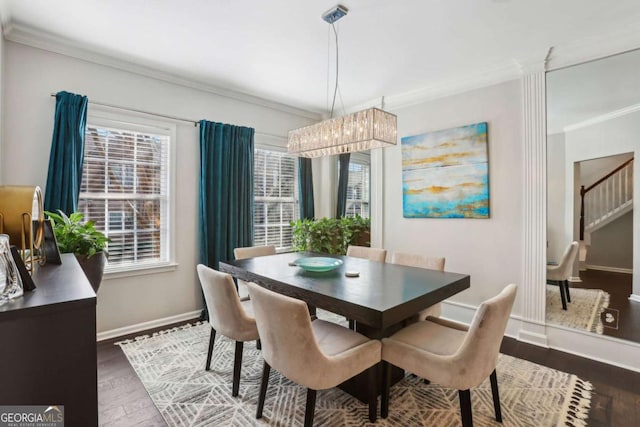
[603, 202]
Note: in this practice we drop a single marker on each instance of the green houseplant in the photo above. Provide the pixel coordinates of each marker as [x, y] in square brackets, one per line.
[74, 235]
[330, 235]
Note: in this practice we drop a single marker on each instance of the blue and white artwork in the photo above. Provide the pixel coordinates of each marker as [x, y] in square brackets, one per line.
[445, 174]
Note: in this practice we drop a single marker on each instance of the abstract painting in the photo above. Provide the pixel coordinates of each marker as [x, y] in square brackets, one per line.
[445, 174]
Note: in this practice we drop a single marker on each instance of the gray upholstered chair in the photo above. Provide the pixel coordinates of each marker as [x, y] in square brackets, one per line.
[421, 261]
[317, 355]
[227, 315]
[372, 254]
[451, 354]
[250, 252]
[559, 274]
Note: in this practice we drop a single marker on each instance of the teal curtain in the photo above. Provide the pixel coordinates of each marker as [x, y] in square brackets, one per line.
[226, 190]
[305, 188]
[343, 181]
[67, 153]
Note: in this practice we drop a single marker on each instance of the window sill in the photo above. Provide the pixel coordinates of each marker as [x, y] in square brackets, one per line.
[139, 270]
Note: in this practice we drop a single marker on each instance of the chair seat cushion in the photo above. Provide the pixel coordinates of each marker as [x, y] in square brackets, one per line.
[334, 339]
[432, 337]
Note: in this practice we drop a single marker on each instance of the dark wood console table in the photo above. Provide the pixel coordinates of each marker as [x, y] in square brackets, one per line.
[48, 350]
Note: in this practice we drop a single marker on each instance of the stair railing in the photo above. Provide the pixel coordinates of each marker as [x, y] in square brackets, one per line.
[606, 195]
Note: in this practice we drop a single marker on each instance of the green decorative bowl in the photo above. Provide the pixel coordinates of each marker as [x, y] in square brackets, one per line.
[318, 264]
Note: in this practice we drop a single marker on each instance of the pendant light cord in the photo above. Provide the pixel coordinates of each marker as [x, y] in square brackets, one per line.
[335, 90]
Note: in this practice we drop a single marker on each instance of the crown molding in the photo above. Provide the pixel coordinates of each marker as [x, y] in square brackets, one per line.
[593, 48]
[602, 118]
[490, 76]
[28, 36]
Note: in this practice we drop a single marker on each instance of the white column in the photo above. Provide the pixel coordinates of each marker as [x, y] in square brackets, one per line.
[532, 290]
[376, 201]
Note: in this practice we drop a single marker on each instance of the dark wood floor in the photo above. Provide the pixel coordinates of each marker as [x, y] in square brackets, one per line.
[123, 401]
[619, 286]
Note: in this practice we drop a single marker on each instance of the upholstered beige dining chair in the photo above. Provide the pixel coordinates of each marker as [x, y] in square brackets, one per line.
[364, 252]
[250, 252]
[227, 315]
[317, 355]
[372, 254]
[421, 261]
[451, 354]
[559, 274]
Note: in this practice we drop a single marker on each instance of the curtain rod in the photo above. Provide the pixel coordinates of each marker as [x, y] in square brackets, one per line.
[166, 116]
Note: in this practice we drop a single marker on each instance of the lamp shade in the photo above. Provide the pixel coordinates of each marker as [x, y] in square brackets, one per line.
[363, 130]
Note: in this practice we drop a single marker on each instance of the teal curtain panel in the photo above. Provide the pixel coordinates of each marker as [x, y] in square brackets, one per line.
[305, 188]
[343, 181]
[226, 190]
[67, 153]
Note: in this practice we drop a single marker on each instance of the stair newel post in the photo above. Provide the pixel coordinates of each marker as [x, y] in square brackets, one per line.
[582, 192]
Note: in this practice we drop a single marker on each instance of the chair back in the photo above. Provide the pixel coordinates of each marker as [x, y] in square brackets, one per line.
[479, 350]
[372, 254]
[416, 260]
[253, 251]
[226, 314]
[288, 342]
[566, 263]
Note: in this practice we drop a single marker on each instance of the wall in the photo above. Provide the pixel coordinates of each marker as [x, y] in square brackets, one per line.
[612, 245]
[2, 65]
[615, 136]
[31, 75]
[490, 250]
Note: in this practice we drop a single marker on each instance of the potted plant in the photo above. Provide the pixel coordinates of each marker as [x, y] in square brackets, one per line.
[330, 235]
[74, 235]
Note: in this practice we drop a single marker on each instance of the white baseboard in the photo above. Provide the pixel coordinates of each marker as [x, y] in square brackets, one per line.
[575, 279]
[139, 327]
[612, 269]
[634, 298]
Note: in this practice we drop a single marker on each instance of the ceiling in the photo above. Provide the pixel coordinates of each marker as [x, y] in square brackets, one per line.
[279, 49]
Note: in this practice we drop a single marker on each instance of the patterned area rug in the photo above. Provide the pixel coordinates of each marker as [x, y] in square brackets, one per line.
[583, 312]
[171, 367]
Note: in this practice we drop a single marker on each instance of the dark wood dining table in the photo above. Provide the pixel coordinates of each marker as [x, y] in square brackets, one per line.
[380, 300]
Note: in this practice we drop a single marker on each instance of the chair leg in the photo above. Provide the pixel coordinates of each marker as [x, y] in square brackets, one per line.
[258, 344]
[373, 393]
[237, 365]
[263, 389]
[352, 324]
[310, 408]
[212, 339]
[465, 408]
[384, 393]
[566, 286]
[496, 396]
[562, 295]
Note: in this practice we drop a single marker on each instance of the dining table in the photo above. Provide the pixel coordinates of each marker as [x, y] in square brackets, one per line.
[380, 297]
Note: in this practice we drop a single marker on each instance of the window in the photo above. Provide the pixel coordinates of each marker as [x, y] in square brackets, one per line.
[125, 191]
[358, 189]
[275, 198]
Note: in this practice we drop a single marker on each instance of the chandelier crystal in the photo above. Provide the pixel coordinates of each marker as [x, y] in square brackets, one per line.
[363, 130]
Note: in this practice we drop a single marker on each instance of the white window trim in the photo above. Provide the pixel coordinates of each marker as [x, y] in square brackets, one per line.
[108, 117]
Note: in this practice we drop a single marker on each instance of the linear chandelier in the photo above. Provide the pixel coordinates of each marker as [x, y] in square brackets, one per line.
[360, 131]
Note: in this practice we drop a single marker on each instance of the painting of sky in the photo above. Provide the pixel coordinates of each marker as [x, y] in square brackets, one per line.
[445, 174]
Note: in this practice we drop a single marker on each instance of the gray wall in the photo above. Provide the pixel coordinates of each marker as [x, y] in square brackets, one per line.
[612, 245]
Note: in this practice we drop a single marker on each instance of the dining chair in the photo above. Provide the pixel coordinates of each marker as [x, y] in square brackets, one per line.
[372, 254]
[227, 315]
[364, 252]
[559, 274]
[315, 354]
[250, 252]
[452, 354]
[421, 261]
